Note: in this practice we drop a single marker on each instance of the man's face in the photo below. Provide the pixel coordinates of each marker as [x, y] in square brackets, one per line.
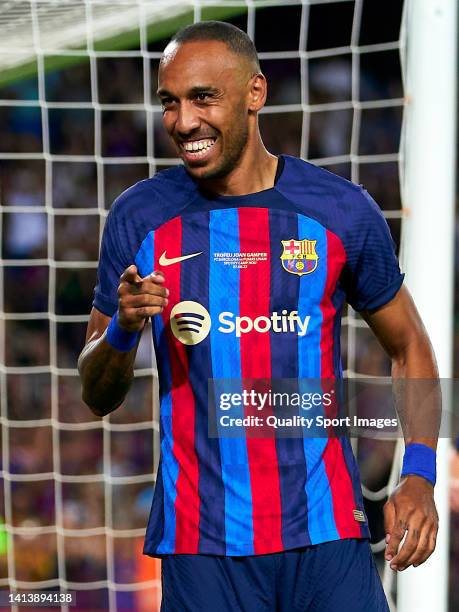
[203, 88]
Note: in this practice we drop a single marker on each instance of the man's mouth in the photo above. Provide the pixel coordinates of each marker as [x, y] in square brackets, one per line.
[197, 149]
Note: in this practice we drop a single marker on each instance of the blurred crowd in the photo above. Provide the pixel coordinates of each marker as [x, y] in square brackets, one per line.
[76, 187]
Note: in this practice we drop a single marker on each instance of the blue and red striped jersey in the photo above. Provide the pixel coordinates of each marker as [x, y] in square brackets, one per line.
[257, 285]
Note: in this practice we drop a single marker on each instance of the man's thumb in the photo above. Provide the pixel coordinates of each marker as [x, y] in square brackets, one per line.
[130, 275]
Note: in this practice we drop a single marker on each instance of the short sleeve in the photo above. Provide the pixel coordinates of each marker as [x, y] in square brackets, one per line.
[112, 263]
[372, 275]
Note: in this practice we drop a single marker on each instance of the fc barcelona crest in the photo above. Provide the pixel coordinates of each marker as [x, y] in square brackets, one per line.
[299, 256]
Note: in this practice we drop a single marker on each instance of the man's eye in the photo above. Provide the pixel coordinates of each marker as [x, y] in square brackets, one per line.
[166, 102]
[202, 97]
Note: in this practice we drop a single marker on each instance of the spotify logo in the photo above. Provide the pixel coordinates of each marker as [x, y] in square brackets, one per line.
[190, 322]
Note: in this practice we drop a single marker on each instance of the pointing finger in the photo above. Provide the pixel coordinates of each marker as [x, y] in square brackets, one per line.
[130, 275]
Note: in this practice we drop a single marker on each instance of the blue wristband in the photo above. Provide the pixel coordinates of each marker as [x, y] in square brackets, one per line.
[421, 460]
[119, 338]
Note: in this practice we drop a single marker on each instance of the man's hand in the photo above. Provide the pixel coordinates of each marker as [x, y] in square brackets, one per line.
[454, 482]
[410, 508]
[140, 298]
[107, 373]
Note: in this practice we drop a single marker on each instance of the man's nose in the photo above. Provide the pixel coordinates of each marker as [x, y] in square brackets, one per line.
[187, 119]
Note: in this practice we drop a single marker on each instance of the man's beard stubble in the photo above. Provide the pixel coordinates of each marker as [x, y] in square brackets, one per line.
[232, 155]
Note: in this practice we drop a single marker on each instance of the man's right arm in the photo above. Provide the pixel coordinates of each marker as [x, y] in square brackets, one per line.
[106, 372]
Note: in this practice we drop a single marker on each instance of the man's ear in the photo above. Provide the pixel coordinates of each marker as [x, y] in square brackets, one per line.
[257, 92]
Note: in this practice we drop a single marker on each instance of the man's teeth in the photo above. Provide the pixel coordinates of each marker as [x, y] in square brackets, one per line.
[198, 145]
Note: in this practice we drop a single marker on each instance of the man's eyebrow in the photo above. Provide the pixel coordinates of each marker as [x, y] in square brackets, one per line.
[197, 89]
[203, 88]
[163, 92]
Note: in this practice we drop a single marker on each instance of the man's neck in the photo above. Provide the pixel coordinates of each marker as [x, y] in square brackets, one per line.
[256, 172]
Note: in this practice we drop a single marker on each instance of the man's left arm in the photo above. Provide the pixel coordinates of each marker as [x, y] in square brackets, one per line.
[411, 507]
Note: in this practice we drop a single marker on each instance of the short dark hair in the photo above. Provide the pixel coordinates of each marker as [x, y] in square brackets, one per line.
[235, 39]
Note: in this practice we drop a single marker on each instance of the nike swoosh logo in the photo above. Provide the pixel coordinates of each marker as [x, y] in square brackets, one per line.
[166, 261]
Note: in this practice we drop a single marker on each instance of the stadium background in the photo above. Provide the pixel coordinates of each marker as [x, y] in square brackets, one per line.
[25, 236]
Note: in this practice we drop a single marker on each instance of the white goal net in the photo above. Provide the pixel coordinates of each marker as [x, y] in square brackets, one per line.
[80, 123]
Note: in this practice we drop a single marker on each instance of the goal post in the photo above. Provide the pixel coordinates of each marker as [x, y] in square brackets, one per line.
[428, 185]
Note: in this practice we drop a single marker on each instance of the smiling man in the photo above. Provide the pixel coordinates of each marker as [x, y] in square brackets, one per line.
[228, 141]
[230, 254]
